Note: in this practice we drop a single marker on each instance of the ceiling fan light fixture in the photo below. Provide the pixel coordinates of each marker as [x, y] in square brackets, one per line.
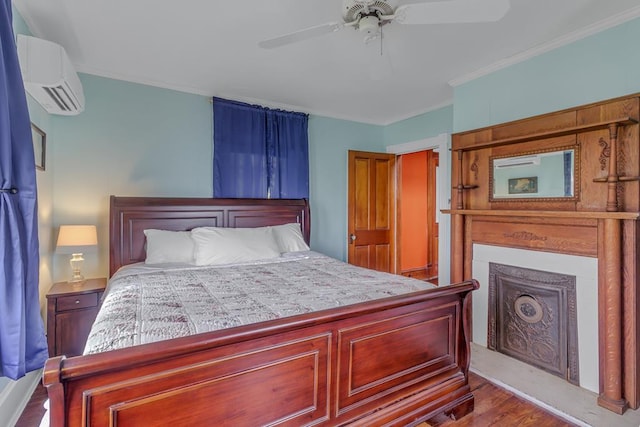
[369, 25]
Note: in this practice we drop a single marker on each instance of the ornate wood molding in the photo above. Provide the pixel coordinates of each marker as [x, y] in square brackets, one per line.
[474, 168]
[524, 235]
[604, 154]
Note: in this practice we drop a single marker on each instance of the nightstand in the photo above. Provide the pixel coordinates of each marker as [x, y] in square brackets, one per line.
[71, 310]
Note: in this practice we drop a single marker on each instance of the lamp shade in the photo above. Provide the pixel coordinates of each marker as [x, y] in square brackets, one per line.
[76, 238]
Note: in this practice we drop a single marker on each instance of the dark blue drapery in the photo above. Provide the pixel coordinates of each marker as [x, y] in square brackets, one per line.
[23, 347]
[259, 152]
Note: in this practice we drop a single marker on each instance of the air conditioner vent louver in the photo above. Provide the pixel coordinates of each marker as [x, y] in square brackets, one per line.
[62, 98]
[49, 76]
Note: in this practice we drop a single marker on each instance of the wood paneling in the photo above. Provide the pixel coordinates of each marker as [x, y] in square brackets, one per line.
[383, 184]
[538, 234]
[289, 382]
[361, 189]
[366, 371]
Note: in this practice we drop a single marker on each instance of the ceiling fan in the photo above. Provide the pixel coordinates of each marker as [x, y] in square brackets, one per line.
[368, 17]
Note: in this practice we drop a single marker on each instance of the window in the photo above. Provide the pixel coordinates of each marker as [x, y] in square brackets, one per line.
[259, 152]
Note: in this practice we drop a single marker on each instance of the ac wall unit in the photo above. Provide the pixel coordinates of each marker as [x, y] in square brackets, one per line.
[49, 76]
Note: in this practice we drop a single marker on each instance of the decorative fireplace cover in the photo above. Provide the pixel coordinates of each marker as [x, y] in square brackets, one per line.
[532, 317]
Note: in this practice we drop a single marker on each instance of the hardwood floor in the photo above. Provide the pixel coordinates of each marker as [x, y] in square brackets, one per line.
[34, 411]
[493, 407]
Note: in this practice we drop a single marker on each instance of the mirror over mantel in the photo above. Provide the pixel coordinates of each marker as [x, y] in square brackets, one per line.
[543, 175]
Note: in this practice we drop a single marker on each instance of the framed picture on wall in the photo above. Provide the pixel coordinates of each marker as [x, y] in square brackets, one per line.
[39, 146]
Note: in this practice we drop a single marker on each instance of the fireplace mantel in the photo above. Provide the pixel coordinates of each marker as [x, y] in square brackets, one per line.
[600, 221]
[544, 214]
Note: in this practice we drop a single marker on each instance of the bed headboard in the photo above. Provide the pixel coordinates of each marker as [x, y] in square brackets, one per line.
[130, 216]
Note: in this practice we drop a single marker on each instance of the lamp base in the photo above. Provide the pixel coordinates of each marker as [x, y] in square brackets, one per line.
[76, 265]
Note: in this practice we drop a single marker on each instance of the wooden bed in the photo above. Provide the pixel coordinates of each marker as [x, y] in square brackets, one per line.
[395, 361]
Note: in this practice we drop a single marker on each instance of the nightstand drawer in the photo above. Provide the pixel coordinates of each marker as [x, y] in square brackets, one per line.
[74, 302]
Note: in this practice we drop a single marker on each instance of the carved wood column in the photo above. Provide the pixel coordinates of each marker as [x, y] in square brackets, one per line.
[457, 229]
[457, 248]
[612, 177]
[610, 319]
[459, 184]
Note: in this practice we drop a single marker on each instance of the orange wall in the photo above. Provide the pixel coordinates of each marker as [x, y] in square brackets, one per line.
[413, 211]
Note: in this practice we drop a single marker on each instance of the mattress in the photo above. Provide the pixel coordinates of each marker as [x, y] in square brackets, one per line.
[145, 304]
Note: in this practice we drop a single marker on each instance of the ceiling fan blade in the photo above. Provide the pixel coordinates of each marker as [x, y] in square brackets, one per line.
[301, 35]
[452, 12]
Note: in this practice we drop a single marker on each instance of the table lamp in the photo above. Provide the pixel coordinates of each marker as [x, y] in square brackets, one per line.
[75, 240]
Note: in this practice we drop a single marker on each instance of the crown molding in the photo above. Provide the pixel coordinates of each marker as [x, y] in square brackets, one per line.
[605, 24]
[414, 113]
[250, 100]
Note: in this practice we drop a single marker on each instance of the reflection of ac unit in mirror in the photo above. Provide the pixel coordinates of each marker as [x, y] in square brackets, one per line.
[49, 76]
[517, 161]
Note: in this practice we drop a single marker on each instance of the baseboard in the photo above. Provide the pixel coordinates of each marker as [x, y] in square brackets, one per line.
[15, 396]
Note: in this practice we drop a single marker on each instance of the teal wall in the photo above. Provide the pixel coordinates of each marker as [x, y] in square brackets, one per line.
[420, 127]
[131, 140]
[602, 66]
[139, 140]
[329, 142]
[19, 26]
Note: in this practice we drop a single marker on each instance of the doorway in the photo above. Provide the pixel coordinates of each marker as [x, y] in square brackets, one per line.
[418, 230]
[361, 249]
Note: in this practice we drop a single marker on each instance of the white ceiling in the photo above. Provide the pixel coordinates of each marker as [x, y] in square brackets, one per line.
[210, 47]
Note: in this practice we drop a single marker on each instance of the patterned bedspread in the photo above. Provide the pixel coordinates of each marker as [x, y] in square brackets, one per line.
[144, 305]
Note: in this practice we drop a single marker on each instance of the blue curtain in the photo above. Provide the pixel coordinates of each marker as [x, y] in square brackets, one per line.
[288, 148]
[259, 152]
[240, 150]
[23, 347]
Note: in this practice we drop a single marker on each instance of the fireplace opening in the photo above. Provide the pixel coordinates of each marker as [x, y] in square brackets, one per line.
[532, 318]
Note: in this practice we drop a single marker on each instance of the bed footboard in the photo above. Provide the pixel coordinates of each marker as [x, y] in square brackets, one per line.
[397, 361]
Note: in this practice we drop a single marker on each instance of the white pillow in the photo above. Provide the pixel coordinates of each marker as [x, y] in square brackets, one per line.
[289, 237]
[164, 246]
[216, 245]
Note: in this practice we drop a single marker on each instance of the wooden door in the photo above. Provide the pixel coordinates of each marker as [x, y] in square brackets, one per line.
[371, 206]
[432, 225]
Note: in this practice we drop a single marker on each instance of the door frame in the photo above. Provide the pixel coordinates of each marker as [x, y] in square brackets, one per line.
[442, 144]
